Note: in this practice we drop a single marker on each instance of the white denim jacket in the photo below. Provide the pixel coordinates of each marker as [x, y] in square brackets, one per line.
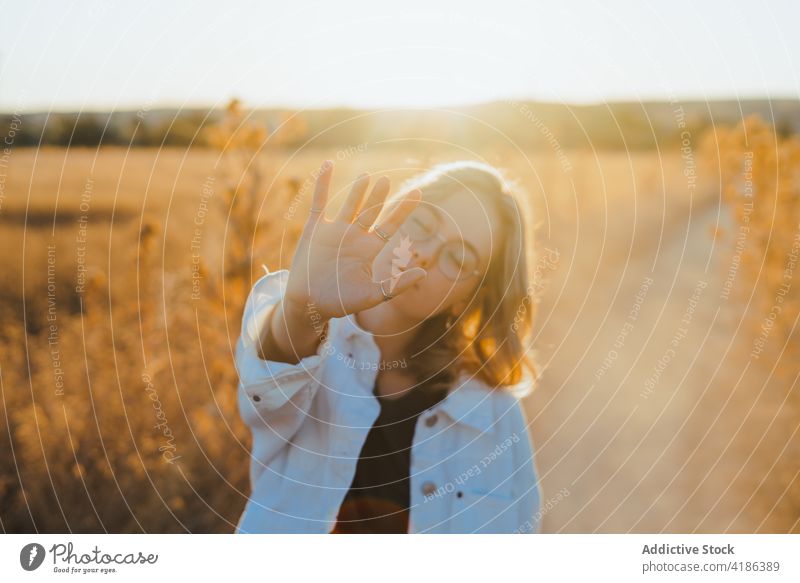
[472, 465]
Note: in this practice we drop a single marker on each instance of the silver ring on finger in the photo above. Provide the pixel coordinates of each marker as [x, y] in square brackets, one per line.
[386, 296]
[313, 210]
[381, 234]
[362, 225]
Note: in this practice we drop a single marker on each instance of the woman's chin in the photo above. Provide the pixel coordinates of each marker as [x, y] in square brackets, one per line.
[414, 294]
[413, 302]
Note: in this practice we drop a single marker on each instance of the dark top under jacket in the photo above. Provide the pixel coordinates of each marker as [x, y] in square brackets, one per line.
[378, 498]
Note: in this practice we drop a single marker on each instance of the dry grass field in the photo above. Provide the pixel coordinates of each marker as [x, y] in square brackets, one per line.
[124, 274]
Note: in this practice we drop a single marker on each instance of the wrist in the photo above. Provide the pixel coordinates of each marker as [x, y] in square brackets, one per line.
[302, 315]
[304, 325]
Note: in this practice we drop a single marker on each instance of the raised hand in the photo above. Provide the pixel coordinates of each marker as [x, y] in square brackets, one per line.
[332, 267]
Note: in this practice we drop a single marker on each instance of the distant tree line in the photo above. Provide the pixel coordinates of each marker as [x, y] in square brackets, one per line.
[530, 125]
[96, 129]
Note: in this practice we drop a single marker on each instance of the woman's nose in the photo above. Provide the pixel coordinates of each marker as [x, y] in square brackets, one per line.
[419, 260]
[421, 254]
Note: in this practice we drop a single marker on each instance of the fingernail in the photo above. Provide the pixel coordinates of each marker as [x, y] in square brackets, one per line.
[326, 164]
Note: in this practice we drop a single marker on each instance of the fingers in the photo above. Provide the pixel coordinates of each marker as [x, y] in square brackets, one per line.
[399, 213]
[318, 201]
[372, 207]
[320, 197]
[352, 204]
[394, 286]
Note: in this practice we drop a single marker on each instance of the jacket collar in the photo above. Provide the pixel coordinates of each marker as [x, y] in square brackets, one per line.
[469, 402]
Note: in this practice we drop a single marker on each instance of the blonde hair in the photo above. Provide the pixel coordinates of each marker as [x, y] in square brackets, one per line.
[489, 339]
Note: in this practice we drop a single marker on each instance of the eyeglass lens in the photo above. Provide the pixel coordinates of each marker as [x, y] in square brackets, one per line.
[456, 259]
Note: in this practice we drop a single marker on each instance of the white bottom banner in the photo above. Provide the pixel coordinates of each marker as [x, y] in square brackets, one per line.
[356, 558]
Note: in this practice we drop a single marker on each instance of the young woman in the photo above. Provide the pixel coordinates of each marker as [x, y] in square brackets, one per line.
[381, 376]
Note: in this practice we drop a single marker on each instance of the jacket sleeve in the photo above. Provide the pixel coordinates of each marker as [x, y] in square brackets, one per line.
[272, 395]
[527, 490]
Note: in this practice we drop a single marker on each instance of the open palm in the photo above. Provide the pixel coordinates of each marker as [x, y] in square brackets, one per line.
[332, 266]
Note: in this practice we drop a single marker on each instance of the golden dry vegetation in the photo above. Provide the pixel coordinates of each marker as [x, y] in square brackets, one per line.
[125, 271]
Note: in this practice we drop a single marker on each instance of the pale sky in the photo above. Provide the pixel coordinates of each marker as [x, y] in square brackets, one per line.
[107, 55]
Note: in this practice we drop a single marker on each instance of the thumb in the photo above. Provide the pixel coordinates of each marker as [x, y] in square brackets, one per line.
[396, 285]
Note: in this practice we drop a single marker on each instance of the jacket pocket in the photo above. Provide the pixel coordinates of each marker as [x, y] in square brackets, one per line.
[483, 512]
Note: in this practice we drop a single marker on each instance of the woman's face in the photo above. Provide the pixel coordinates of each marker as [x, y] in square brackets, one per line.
[453, 239]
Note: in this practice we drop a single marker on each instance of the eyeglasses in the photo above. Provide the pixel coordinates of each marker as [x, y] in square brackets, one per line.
[457, 260]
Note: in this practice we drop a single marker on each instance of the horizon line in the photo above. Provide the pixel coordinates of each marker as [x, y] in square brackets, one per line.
[205, 106]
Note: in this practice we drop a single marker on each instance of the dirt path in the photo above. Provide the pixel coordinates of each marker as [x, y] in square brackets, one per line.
[651, 414]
